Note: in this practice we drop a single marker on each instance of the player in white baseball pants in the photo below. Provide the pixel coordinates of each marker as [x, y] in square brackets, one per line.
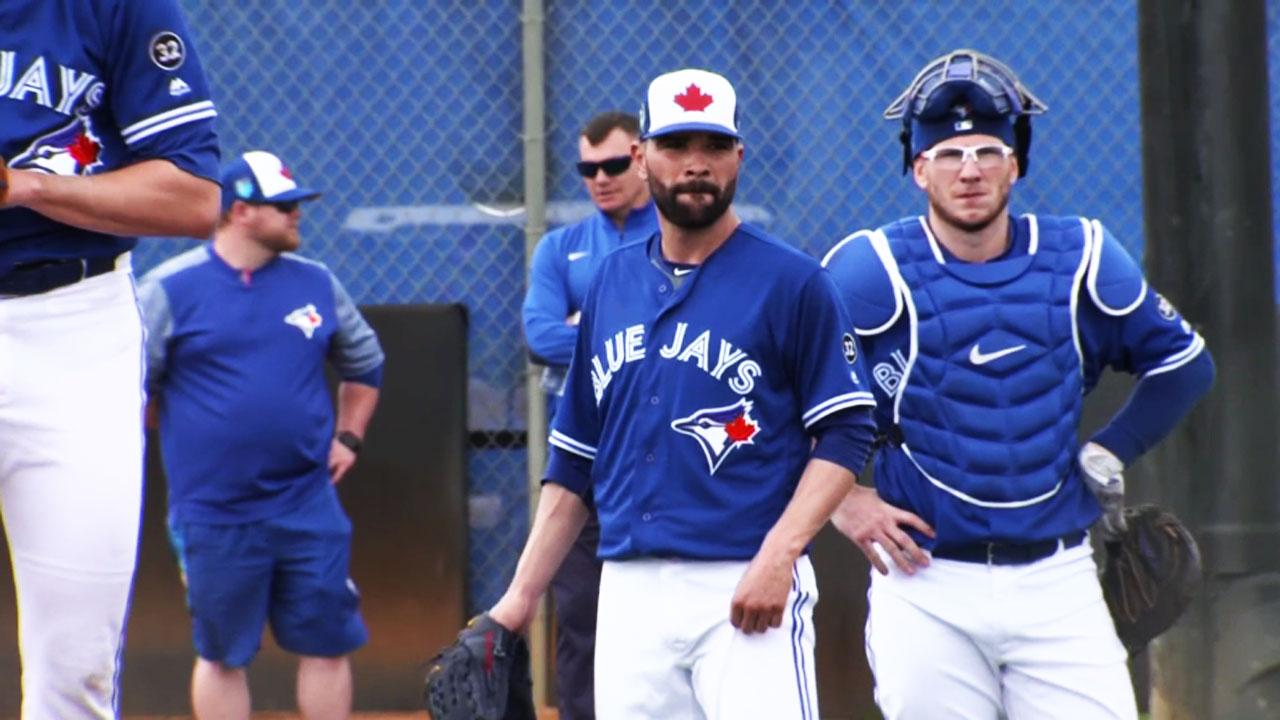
[106, 131]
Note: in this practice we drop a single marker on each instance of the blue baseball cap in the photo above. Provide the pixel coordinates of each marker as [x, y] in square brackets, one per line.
[259, 177]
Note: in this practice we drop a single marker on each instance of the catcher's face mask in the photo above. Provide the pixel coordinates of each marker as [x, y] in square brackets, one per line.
[965, 92]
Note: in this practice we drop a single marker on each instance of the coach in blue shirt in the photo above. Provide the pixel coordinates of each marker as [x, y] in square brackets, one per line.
[238, 334]
[563, 264]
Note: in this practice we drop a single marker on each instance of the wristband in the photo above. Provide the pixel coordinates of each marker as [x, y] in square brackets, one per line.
[350, 440]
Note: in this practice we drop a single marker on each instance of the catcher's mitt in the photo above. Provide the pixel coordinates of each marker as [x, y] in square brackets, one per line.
[484, 675]
[1152, 571]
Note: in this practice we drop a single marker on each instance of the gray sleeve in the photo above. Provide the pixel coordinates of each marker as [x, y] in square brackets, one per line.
[157, 318]
[355, 349]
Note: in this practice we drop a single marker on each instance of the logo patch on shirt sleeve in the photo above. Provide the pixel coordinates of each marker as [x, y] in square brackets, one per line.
[168, 51]
[850, 348]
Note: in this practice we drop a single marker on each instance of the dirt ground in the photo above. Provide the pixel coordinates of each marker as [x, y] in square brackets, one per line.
[543, 714]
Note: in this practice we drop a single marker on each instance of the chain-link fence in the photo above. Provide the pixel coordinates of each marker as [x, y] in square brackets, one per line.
[408, 114]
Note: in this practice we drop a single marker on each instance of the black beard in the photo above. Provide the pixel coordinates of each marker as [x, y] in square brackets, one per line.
[975, 225]
[692, 218]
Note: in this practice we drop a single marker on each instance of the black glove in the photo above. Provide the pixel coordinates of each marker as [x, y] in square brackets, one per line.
[483, 675]
[1152, 572]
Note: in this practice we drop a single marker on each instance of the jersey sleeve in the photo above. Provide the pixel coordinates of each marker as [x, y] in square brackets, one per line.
[1146, 337]
[354, 351]
[546, 305]
[157, 316]
[159, 93]
[825, 360]
[576, 428]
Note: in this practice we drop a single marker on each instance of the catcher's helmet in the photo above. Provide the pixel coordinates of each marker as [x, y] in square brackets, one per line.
[982, 92]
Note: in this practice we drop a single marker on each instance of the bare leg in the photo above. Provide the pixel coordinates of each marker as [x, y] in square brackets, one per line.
[324, 688]
[219, 692]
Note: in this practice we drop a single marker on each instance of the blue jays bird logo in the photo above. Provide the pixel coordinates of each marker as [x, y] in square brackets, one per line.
[721, 430]
[73, 149]
[306, 319]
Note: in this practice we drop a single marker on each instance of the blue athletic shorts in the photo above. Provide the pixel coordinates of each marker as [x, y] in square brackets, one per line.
[290, 569]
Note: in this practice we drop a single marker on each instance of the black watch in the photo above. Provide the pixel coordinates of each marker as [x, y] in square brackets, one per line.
[350, 440]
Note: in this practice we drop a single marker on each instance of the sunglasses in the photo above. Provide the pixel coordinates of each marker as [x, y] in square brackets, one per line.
[612, 167]
[285, 207]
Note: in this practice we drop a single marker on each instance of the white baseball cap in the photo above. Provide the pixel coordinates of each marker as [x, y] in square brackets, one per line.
[688, 100]
[260, 177]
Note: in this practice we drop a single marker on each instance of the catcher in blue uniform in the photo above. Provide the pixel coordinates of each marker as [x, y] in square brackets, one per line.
[983, 332]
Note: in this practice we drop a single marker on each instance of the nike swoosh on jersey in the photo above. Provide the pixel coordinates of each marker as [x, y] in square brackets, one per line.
[578, 255]
[682, 271]
[977, 357]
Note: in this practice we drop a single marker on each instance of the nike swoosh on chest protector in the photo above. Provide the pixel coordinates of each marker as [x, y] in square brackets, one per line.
[977, 357]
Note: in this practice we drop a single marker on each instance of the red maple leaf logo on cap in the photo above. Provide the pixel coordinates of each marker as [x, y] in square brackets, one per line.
[692, 99]
[285, 172]
[84, 150]
[740, 429]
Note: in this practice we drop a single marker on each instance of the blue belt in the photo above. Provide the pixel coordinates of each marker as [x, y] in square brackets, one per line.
[1002, 553]
[41, 276]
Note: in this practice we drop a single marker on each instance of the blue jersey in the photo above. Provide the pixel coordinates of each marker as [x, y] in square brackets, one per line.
[89, 86]
[694, 394]
[980, 370]
[246, 419]
[562, 267]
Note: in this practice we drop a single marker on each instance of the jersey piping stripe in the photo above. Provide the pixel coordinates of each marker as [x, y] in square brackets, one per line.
[165, 120]
[1034, 245]
[1077, 280]
[1096, 264]
[171, 124]
[1173, 362]
[118, 670]
[568, 444]
[933, 242]
[797, 645]
[897, 299]
[837, 403]
[975, 501]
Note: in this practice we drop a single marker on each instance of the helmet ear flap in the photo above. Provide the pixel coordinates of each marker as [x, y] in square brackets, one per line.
[905, 138]
[1022, 143]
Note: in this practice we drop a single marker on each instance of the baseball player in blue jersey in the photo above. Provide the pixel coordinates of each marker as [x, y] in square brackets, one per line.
[238, 334]
[710, 357]
[983, 333]
[106, 134]
[564, 262]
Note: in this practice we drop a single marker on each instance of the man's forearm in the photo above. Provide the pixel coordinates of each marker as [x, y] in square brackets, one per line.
[356, 403]
[822, 486]
[152, 197]
[559, 520]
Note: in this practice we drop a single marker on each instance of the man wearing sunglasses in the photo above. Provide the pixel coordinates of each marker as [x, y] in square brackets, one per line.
[239, 332]
[563, 264]
[984, 332]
